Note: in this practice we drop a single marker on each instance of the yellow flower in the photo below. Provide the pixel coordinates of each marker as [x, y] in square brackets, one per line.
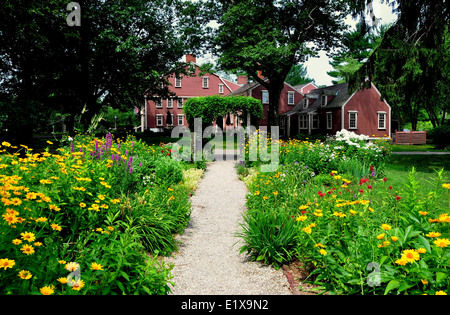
[394, 238]
[62, 262]
[28, 236]
[410, 255]
[401, 261]
[47, 290]
[72, 266]
[318, 245]
[385, 227]
[303, 207]
[56, 227]
[424, 281]
[10, 218]
[440, 293]
[45, 181]
[433, 234]
[442, 242]
[16, 241]
[423, 212]
[301, 218]
[95, 266]
[25, 274]
[49, 142]
[380, 236]
[421, 250]
[62, 280]
[6, 263]
[77, 285]
[54, 207]
[82, 204]
[446, 186]
[323, 252]
[307, 230]
[275, 193]
[27, 249]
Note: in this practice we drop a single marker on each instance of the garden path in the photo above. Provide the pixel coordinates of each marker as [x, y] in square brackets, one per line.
[208, 260]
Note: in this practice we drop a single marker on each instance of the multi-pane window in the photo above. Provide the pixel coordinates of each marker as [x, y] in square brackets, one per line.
[169, 103]
[323, 100]
[381, 120]
[177, 82]
[290, 98]
[158, 103]
[180, 119]
[221, 88]
[353, 120]
[180, 103]
[303, 122]
[329, 120]
[159, 120]
[265, 97]
[205, 82]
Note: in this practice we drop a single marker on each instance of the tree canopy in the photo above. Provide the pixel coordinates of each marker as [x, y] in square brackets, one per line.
[120, 50]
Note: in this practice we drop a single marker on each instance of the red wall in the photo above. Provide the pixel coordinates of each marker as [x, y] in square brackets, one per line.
[367, 102]
[191, 86]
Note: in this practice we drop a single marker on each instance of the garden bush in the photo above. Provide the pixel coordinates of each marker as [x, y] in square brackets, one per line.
[84, 220]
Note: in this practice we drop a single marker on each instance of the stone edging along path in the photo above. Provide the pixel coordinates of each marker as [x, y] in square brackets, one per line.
[208, 260]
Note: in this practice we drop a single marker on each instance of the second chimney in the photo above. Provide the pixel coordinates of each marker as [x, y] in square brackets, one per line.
[191, 58]
[242, 80]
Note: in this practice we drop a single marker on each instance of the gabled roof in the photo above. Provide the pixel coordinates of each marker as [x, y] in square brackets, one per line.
[242, 89]
[339, 91]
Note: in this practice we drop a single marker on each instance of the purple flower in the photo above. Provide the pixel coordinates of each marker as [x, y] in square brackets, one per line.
[131, 169]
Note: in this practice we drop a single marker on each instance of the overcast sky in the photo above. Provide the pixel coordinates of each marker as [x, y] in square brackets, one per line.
[317, 67]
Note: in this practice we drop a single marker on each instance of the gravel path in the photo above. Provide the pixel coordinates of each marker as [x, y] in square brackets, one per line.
[208, 261]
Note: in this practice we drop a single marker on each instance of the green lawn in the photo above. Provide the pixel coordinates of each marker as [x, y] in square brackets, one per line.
[415, 148]
[399, 166]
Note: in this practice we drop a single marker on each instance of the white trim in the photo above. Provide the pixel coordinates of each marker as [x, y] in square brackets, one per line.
[207, 82]
[159, 101]
[262, 96]
[177, 80]
[171, 102]
[178, 119]
[306, 121]
[293, 97]
[381, 114]
[331, 122]
[321, 100]
[162, 120]
[389, 106]
[356, 119]
[221, 88]
[343, 111]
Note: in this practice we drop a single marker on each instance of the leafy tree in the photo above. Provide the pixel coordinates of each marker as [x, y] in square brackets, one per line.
[121, 50]
[298, 75]
[411, 64]
[271, 36]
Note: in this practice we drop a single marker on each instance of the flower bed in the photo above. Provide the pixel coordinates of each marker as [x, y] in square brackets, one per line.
[355, 235]
[83, 220]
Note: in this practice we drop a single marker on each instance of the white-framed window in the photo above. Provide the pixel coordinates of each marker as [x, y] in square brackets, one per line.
[305, 103]
[291, 98]
[303, 122]
[159, 120]
[282, 122]
[158, 103]
[381, 120]
[315, 121]
[180, 103]
[205, 82]
[169, 103]
[177, 82]
[221, 88]
[323, 100]
[180, 120]
[352, 120]
[265, 97]
[329, 120]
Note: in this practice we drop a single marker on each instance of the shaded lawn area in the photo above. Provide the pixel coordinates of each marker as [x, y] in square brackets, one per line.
[426, 166]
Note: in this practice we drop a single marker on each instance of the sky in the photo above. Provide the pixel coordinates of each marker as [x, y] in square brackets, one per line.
[317, 67]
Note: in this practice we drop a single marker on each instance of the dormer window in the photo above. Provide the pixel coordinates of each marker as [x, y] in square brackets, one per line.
[323, 100]
[305, 103]
[265, 97]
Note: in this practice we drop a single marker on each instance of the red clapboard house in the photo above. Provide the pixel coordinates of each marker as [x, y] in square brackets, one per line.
[330, 109]
[185, 87]
[290, 96]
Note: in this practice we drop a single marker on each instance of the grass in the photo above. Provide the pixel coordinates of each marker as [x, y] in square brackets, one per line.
[426, 166]
[415, 148]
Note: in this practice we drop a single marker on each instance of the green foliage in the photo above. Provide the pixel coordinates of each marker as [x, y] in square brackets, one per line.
[440, 136]
[168, 171]
[208, 108]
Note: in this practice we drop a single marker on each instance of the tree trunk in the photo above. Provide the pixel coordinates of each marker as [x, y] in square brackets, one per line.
[274, 102]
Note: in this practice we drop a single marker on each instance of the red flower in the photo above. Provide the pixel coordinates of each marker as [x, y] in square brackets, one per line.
[397, 198]
[385, 179]
[363, 180]
[371, 168]
[321, 194]
[390, 187]
[361, 191]
[304, 211]
[369, 186]
[162, 151]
